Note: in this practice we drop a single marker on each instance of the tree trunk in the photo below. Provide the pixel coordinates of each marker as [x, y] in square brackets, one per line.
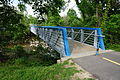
[97, 17]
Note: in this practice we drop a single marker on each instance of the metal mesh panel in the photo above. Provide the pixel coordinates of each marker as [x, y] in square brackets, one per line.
[84, 36]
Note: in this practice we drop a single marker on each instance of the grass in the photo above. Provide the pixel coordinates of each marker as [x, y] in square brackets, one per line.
[88, 79]
[35, 66]
[21, 72]
[115, 47]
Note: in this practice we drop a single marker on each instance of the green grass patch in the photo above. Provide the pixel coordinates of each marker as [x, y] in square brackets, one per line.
[34, 65]
[21, 72]
[115, 47]
[88, 79]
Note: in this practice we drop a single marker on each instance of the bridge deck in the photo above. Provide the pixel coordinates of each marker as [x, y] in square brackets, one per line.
[80, 49]
[77, 47]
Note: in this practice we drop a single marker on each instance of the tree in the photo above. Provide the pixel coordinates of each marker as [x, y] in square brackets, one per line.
[72, 13]
[44, 7]
[98, 8]
[71, 19]
[87, 11]
[8, 17]
[111, 31]
[52, 21]
[41, 7]
[14, 25]
[32, 20]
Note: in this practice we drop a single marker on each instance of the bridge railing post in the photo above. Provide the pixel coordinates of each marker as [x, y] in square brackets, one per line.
[72, 34]
[82, 35]
[95, 39]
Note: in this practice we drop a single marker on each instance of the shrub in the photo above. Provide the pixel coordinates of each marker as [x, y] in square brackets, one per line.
[4, 57]
[46, 55]
[20, 61]
[19, 51]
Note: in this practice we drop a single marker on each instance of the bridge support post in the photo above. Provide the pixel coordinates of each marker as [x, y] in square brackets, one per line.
[66, 43]
[100, 39]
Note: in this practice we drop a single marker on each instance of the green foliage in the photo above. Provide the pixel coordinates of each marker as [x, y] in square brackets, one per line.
[32, 20]
[28, 61]
[21, 7]
[86, 7]
[3, 58]
[115, 47]
[75, 23]
[53, 21]
[44, 7]
[71, 13]
[46, 56]
[20, 61]
[111, 29]
[88, 79]
[90, 21]
[19, 51]
[9, 16]
[9, 23]
[71, 19]
[99, 9]
[19, 56]
[14, 26]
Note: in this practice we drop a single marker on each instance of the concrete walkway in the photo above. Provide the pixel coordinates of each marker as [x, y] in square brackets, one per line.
[105, 66]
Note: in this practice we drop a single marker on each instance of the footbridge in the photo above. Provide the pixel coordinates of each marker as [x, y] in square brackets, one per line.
[70, 40]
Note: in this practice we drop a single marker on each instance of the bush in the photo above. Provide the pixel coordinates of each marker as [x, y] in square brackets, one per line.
[20, 61]
[19, 51]
[46, 55]
[3, 56]
[39, 57]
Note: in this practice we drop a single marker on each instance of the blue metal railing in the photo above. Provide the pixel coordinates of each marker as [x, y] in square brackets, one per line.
[65, 35]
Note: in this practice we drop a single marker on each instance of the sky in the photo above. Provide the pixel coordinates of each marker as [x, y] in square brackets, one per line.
[71, 5]
[29, 8]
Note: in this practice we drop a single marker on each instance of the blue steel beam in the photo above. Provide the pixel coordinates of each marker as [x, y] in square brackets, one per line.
[66, 43]
[68, 27]
[100, 39]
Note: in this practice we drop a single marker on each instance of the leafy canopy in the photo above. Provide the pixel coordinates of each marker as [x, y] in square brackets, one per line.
[44, 7]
